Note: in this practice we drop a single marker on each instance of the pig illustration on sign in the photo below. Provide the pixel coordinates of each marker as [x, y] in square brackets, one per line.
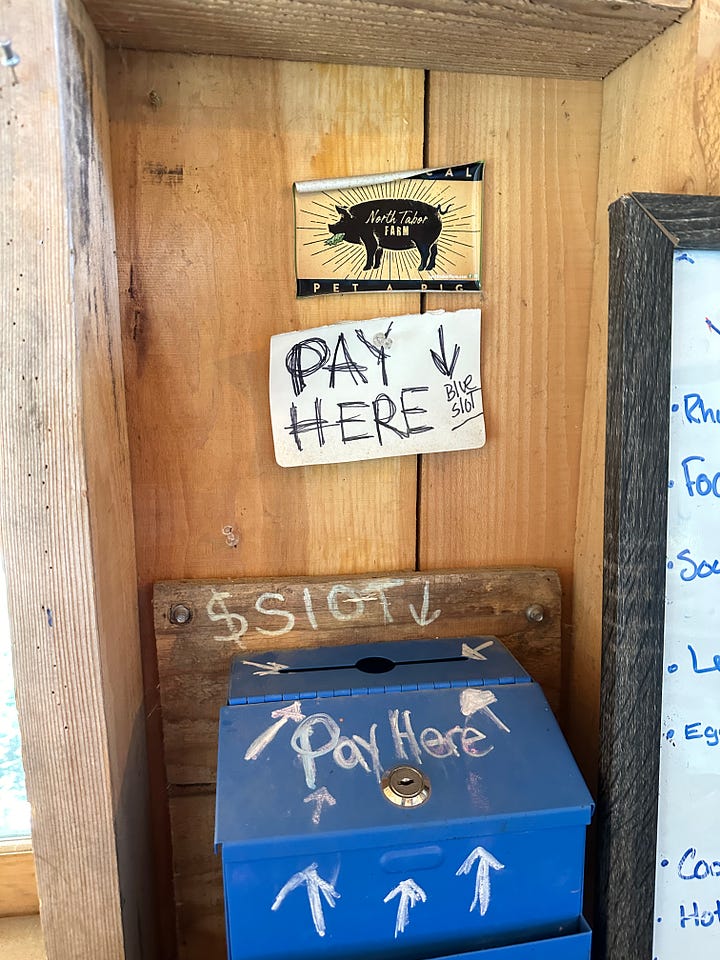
[392, 225]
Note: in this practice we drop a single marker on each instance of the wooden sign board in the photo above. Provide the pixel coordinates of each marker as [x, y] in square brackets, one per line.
[660, 768]
[222, 619]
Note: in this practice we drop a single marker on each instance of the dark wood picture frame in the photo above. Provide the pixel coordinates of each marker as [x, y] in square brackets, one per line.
[646, 230]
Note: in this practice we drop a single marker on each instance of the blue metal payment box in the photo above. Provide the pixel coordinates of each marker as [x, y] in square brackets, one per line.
[409, 800]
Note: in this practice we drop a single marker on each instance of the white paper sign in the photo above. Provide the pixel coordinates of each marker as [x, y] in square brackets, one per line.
[687, 888]
[377, 388]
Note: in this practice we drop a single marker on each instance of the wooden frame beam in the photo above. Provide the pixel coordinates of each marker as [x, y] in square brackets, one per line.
[582, 39]
[65, 511]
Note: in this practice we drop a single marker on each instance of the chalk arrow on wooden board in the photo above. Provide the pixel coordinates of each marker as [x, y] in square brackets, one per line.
[315, 886]
[424, 618]
[266, 669]
[472, 653]
[484, 860]
[320, 797]
[410, 894]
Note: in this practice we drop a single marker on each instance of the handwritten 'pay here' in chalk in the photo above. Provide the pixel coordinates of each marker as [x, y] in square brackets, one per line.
[377, 388]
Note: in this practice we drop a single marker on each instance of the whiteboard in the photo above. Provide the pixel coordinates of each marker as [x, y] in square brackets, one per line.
[687, 872]
[658, 875]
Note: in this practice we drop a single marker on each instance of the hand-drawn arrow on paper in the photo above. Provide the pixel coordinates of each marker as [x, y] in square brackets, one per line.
[410, 894]
[485, 860]
[440, 360]
[315, 886]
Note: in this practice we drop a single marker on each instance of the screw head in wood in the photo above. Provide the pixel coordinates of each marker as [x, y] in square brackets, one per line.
[180, 614]
[535, 613]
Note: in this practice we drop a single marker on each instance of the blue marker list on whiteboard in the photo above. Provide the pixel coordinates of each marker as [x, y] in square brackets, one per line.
[687, 881]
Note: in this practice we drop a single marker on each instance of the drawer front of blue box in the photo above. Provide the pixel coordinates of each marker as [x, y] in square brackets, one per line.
[570, 946]
[430, 899]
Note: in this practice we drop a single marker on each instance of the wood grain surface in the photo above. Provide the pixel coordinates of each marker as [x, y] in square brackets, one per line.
[18, 883]
[688, 222]
[198, 881]
[514, 501]
[205, 151]
[638, 420]
[65, 519]
[550, 38]
[660, 131]
[203, 182]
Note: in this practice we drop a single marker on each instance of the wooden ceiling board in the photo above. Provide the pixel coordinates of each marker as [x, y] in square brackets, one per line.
[585, 39]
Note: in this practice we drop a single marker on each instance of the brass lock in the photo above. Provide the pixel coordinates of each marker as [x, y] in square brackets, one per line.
[405, 786]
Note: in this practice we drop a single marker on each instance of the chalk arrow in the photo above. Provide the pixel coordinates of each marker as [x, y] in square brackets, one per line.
[440, 360]
[319, 797]
[477, 699]
[266, 669]
[472, 653]
[424, 618]
[410, 894]
[485, 860]
[282, 715]
[315, 886]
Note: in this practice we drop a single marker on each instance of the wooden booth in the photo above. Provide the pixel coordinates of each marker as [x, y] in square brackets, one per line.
[147, 159]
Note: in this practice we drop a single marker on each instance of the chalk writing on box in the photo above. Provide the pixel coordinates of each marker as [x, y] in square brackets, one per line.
[687, 916]
[409, 893]
[318, 738]
[377, 388]
[319, 735]
[418, 230]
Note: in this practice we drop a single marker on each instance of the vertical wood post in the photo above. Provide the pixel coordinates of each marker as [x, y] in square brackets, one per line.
[65, 511]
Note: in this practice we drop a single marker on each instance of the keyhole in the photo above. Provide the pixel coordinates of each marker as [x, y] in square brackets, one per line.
[405, 786]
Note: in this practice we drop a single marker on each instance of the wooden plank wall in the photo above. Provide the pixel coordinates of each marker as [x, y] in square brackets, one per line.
[546, 38]
[205, 150]
[65, 515]
[660, 133]
[515, 500]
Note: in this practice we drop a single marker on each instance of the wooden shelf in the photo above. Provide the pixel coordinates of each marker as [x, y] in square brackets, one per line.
[18, 886]
[584, 39]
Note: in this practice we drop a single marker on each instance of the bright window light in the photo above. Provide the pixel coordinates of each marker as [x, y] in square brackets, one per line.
[14, 807]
